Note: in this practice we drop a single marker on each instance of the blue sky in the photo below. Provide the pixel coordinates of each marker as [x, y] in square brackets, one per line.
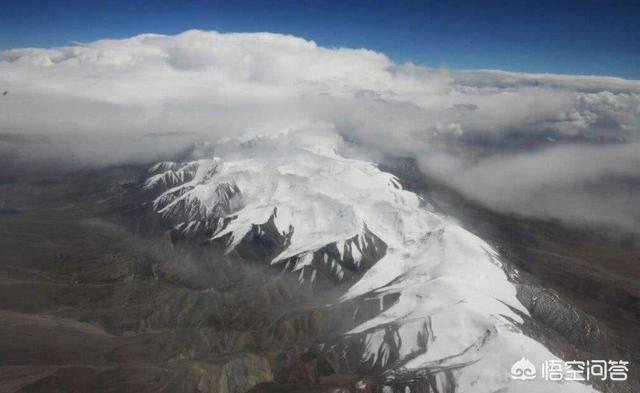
[576, 37]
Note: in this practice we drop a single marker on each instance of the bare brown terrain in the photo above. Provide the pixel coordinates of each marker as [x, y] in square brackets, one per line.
[91, 303]
[86, 308]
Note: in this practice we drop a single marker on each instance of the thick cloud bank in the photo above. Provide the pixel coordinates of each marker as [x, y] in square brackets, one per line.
[541, 145]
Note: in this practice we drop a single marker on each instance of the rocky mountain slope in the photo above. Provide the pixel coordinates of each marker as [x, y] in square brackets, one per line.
[428, 297]
[286, 263]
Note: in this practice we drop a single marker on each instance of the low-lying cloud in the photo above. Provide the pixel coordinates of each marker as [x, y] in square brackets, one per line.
[575, 183]
[535, 144]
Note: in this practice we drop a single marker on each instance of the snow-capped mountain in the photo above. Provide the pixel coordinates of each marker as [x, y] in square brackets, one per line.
[447, 307]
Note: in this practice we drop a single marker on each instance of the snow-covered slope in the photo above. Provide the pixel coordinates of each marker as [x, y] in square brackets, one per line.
[455, 308]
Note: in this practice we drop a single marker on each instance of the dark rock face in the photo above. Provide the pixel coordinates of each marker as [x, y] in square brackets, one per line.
[328, 267]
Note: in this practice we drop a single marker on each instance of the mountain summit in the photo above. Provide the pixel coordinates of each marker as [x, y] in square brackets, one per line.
[445, 307]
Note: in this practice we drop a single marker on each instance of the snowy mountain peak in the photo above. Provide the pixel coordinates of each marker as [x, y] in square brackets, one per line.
[345, 220]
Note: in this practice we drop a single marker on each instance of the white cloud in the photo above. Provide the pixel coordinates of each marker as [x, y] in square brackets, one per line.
[112, 92]
[576, 183]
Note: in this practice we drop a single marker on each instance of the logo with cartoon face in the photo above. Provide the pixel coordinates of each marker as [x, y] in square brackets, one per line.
[523, 370]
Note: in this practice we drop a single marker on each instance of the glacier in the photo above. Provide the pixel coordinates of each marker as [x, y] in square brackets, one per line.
[456, 307]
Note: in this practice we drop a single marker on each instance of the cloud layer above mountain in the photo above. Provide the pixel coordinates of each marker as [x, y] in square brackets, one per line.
[536, 144]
